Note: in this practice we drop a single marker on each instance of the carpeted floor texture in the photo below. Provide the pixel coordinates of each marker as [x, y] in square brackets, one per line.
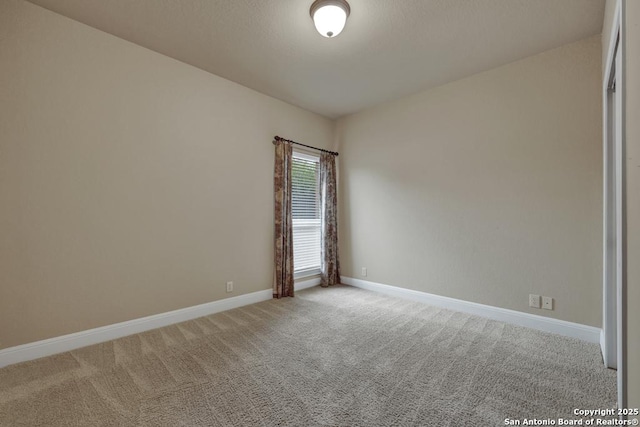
[328, 357]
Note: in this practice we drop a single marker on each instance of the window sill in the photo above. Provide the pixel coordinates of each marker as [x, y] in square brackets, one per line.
[306, 273]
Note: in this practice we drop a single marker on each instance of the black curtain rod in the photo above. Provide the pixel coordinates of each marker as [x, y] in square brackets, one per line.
[277, 138]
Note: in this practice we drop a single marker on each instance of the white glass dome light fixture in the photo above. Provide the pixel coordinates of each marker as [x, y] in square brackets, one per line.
[330, 16]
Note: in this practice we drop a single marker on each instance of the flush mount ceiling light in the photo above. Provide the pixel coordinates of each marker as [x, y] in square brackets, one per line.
[329, 16]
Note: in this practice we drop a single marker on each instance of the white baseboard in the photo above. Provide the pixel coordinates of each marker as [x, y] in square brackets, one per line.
[56, 345]
[546, 324]
[603, 350]
[48, 347]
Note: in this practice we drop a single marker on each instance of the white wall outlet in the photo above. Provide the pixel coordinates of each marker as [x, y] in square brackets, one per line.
[534, 301]
[229, 286]
[364, 271]
[547, 303]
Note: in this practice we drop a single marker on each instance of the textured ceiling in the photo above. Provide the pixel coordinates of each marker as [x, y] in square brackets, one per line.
[389, 48]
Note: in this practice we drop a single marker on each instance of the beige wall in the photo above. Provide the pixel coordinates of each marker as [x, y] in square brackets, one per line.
[115, 163]
[485, 189]
[130, 183]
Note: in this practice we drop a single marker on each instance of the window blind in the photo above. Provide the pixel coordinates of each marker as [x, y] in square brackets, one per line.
[305, 211]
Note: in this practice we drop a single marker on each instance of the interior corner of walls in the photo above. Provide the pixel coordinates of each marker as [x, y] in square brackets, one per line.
[336, 136]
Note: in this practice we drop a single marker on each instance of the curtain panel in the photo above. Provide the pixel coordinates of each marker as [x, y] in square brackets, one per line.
[330, 264]
[283, 244]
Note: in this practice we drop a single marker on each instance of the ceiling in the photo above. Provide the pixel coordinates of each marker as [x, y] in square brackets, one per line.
[388, 49]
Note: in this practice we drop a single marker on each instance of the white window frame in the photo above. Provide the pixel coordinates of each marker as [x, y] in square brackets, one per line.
[314, 271]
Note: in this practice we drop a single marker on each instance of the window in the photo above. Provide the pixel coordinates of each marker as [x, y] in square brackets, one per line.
[305, 214]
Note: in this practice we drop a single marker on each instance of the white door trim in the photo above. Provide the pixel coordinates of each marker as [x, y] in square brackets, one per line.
[614, 207]
[610, 176]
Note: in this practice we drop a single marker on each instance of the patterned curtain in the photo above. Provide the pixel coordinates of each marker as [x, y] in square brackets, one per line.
[283, 256]
[330, 269]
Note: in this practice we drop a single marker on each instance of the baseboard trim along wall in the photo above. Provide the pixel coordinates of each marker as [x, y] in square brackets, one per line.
[546, 324]
[602, 347]
[51, 346]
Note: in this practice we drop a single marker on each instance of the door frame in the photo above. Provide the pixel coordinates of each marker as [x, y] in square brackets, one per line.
[613, 341]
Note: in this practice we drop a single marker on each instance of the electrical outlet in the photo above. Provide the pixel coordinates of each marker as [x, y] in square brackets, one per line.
[229, 286]
[547, 303]
[534, 301]
[364, 271]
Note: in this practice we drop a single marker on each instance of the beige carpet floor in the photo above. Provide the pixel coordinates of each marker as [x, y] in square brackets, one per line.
[337, 357]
